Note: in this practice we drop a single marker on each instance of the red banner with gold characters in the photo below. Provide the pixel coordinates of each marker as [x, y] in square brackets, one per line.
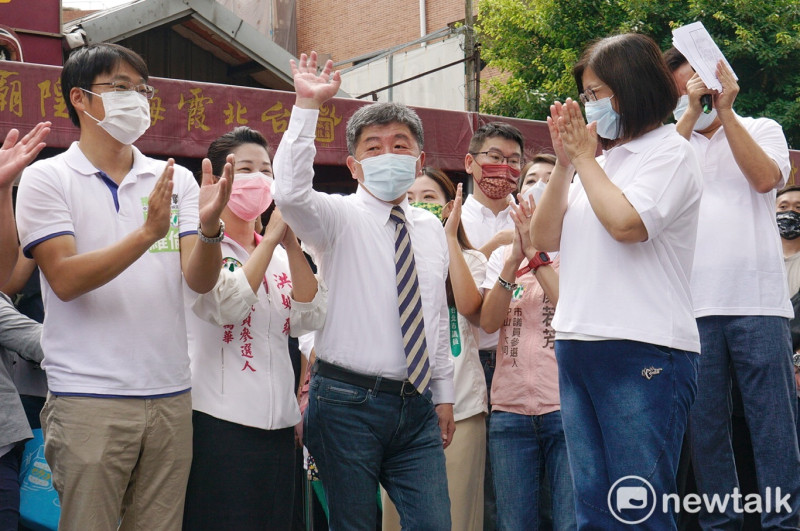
[186, 116]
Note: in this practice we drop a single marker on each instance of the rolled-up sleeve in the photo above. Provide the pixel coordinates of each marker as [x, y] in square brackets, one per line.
[306, 317]
[230, 300]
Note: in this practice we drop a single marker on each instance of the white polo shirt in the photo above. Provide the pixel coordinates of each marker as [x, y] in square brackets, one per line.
[738, 268]
[127, 337]
[634, 291]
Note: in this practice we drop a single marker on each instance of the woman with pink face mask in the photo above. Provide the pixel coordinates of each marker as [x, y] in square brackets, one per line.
[243, 396]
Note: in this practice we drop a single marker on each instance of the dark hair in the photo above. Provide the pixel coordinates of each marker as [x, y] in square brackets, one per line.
[449, 190]
[790, 188]
[674, 59]
[632, 67]
[495, 129]
[85, 64]
[547, 158]
[220, 148]
[381, 114]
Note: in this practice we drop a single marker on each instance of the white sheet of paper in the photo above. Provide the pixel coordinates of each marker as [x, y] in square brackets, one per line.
[696, 44]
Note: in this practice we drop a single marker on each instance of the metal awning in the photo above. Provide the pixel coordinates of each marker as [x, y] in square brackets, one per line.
[206, 23]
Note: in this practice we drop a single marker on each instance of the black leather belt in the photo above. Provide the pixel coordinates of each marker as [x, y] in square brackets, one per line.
[375, 383]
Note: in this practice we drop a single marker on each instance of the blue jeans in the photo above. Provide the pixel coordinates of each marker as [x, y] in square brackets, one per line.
[9, 489]
[758, 349]
[625, 406]
[359, 438]
[519, 444]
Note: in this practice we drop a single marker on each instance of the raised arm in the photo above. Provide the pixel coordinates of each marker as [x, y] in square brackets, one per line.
[761, 171]
[200, 260]
[548, 219]
[467, 297]
[306, 211]
[14, 156]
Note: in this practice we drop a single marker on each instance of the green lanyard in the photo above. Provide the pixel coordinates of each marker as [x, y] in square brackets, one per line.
[455, 334]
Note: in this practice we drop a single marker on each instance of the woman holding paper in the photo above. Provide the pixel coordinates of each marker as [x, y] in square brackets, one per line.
[626, 339]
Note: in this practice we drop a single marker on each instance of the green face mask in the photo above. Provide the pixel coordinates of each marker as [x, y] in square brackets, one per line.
[433, 208]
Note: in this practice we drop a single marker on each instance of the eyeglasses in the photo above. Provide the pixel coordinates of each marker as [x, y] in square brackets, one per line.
[120, 86]
[495, 157]
[590, 94]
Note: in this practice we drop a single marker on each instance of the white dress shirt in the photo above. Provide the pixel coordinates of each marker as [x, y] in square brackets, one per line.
[352, 239]
[241, 369]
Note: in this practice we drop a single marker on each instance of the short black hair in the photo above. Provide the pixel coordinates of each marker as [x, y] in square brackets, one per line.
[493, 130]
[220, 148]
[631, 65]
[790, 188]
[85, 64]
[674, 59]
[382, 113]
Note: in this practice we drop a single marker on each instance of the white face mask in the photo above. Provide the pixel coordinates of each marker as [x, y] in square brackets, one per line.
[127, 115]
[702, 123]
[535, 192]
[390, 175]
[602, 112]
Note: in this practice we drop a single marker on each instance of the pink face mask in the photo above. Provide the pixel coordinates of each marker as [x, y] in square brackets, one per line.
[250, 195]
[498, 180]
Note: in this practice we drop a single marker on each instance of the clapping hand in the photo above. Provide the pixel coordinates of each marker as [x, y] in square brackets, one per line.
[454, 217]
[214, 195]
[14, 156]
[578, 139]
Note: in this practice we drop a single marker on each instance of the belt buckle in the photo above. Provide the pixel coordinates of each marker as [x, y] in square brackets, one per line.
[408, 389]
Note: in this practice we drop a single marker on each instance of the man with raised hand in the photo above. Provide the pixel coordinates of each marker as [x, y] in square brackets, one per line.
[381, 396]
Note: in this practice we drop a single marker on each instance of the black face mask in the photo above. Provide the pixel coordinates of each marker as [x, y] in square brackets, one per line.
[789, 224]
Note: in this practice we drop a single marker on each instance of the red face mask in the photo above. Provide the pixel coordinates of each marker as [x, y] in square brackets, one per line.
[498, 180]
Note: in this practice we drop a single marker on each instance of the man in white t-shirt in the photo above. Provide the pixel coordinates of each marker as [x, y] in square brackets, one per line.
[741, 300]
[495, 159]
[115, 234]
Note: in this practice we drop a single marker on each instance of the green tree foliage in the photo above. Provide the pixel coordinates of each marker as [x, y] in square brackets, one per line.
[536, 42]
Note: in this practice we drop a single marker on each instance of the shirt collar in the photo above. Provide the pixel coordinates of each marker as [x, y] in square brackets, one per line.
[473, 204]
[380, 210]
[647, 140]
[142, 165]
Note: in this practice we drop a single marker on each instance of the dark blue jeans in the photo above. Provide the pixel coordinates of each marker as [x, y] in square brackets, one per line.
[360, 438]
[9, 489]
[519, 445]
[624, 406]
[758, 349]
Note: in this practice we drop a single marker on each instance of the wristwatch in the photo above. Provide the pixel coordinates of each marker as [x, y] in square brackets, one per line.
[505, 284]
[216, 239]
[796, 359]
[540, 259]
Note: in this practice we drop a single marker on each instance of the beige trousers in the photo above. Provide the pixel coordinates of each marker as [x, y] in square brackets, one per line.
[465, 462]
[119, 462]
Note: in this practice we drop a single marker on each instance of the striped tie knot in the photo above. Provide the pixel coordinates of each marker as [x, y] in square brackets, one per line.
[397, 215]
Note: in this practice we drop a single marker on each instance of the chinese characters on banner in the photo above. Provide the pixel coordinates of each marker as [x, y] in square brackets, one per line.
[185, 116]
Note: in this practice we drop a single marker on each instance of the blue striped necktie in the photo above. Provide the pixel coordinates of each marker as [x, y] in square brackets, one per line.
[412, 323]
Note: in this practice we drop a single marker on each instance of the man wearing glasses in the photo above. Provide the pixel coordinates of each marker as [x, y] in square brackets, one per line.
[114, 232]
[494, 160]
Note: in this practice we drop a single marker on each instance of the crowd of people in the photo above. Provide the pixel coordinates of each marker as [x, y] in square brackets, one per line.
[505, 360]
